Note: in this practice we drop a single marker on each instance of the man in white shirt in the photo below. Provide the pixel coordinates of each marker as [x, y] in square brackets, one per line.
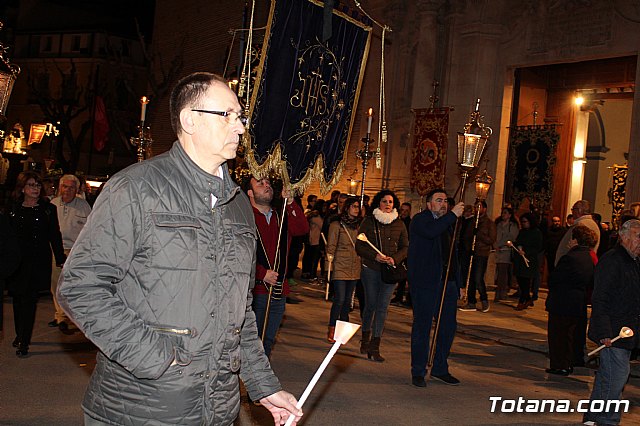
[581, 211]
[72, 215]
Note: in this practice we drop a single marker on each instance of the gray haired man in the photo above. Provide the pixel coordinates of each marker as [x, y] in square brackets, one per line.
[72, 215]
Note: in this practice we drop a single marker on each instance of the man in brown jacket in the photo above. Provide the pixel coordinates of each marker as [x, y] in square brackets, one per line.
[485, 237]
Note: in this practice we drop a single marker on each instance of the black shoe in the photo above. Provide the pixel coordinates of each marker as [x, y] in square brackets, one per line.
[292, 300]
[15, 343]
[448, 379]
[514, 295]
[560, 371]
[22, 351]
[418, 381]
[63, 326]
[53, 323]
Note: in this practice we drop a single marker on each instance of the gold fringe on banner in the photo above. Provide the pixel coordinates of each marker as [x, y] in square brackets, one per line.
[276, 164]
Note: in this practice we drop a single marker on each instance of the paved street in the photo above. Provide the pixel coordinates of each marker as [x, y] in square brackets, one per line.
[500, 353]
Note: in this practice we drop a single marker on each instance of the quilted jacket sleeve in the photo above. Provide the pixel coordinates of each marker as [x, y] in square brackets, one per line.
[88, 292]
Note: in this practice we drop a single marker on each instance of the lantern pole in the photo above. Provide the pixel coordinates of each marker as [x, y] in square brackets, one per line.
[471, 144]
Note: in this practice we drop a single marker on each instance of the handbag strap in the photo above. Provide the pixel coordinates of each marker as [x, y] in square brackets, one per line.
[377, 231]
[348, 235]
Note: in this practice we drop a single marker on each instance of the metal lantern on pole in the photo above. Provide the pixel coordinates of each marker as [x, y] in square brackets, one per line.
[8, 74]
[471, 144]
[483, 183]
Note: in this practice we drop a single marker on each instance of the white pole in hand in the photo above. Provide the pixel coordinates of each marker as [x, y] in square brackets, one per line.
[326, 291]
[330, 259]
[526, 261]
[363, 237]
[624, 333]
[344, 332]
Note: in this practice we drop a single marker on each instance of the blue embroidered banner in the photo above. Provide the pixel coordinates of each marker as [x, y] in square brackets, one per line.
[305, 94]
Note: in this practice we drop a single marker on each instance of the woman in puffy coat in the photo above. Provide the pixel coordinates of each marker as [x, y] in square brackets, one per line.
[507, 229]
[35, 221]
[345, 262]
[387, 232]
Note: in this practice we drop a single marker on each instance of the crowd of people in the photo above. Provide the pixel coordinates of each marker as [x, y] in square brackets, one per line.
[526, 248]
[117, 271]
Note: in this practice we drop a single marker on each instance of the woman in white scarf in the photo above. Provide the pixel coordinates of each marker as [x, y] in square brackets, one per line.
[387, 232]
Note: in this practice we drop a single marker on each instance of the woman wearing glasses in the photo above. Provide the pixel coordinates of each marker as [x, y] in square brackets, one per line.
[35, 221]
[345, 262]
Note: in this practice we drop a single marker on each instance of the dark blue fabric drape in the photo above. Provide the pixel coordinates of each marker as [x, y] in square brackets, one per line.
[307, 90]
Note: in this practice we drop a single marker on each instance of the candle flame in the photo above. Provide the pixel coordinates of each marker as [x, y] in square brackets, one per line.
[144, 100]
[362, 237]
[370, 112]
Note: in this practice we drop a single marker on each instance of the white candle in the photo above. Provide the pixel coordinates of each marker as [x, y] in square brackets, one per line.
[314, 380]
[144, 102]
[369, 120]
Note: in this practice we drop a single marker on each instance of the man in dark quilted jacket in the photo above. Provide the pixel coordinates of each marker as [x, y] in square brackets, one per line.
[160, 279]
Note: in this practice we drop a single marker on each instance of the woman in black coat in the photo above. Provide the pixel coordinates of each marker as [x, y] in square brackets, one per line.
[385, 230]
[567, 300]
[37, 231]
[529, 244]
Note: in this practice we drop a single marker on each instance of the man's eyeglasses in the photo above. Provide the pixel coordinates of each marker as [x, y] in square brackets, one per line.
[226, 114]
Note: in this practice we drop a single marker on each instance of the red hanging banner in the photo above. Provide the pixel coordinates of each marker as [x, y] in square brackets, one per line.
[429, 149]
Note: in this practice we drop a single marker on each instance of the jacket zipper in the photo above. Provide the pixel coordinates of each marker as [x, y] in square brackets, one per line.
[181, 331]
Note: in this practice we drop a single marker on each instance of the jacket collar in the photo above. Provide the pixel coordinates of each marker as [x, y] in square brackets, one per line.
[224, 189]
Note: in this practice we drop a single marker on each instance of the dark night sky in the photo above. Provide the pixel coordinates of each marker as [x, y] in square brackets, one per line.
[114, 16]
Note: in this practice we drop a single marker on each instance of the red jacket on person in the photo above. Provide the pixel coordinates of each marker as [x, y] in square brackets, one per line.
[297, 225]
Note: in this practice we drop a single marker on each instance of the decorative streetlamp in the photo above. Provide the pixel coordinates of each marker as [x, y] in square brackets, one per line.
[471, 144]
[144, 141]
[8, 74]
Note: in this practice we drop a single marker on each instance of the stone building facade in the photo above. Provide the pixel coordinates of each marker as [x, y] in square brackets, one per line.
[478, 49]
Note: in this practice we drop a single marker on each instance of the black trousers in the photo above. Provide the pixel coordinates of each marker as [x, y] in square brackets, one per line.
[1, 303]
[560, 335]
[525, 288]
[24, 316]
[579, 342]
[310, 260]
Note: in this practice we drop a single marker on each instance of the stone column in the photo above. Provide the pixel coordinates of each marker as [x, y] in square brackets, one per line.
[426, 50]
[632, 189]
